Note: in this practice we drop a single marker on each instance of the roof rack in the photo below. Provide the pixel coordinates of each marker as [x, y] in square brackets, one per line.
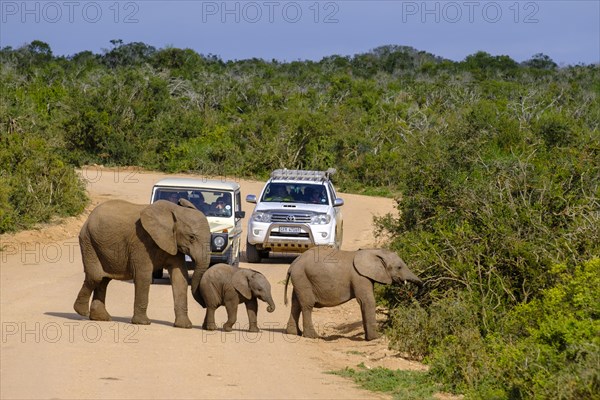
[301, 175]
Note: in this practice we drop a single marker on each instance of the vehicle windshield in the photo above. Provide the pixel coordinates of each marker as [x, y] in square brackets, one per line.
[212, 203]
[295, 193]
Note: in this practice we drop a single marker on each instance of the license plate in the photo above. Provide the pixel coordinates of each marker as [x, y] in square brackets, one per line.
[287, 229]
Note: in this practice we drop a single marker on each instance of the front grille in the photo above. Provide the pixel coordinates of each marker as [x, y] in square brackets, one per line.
[291, 218]
[300, 235]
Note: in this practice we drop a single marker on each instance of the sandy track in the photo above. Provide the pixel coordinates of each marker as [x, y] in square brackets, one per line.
[48, 351]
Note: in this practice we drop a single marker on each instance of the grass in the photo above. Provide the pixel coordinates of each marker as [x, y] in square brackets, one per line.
[356, 353]
[403, 385]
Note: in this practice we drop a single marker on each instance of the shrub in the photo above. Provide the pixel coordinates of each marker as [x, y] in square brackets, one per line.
[35, 184]
[548, 348]
[414, 330]
[552, 344]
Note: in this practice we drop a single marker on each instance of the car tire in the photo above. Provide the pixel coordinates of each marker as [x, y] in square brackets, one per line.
[252, 254]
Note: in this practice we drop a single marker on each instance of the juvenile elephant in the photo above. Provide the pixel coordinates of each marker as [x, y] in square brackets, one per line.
[122, 240]
[230, 286]
[326, 277]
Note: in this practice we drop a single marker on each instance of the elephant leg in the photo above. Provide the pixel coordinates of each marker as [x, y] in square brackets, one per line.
[209, 319]
[307, 323]
[179, 285]
[252, 310]
[141, 282]
[93, 271]
[366, 300]
[98, 309]
[293, 325]
[82, 302]
[231, 307]
[306, 300]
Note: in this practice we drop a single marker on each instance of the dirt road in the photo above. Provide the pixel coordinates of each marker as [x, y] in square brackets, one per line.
[48, 351]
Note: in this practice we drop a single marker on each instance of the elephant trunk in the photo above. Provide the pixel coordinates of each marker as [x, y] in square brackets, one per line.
[271, 304]
[409, 276]
[201, 263]
[416, 281]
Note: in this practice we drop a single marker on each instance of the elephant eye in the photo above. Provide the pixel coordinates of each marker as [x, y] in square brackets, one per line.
[192, 238]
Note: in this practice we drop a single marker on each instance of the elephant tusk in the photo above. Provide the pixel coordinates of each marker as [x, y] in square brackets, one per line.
[405, 282]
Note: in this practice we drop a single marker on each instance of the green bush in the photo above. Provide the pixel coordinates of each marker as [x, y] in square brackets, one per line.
[548, 348]
[414, 330]
[35, 184]
[552, 344]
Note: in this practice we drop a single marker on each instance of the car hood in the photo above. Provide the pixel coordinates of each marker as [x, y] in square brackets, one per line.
[292, 207]
[218, 225]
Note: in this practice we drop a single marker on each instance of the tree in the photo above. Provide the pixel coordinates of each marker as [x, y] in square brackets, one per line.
[41, 49]
[129, 54]
[485, 64]
[540, 61]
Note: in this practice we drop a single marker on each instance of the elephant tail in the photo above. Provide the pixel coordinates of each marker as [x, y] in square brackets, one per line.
[287, 280]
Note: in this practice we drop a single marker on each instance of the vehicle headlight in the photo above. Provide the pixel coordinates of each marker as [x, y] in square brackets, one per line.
[261, 216]
[320, 219]
[219, 241]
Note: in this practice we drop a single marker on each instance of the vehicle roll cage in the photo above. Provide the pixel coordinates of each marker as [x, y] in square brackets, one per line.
[299, 175]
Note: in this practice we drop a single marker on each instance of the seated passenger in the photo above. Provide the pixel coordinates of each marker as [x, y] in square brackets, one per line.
[278, 193]
[313, 195]
[222, 207]
[173, 197]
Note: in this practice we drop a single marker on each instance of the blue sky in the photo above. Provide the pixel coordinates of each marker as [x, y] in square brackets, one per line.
[567, 31]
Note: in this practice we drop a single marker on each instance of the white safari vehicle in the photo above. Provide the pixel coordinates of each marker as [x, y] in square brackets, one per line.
[221, 203]
[295, 211]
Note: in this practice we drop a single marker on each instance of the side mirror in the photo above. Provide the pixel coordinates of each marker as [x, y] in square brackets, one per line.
[240, 214]
[251, 198]
[338, 202]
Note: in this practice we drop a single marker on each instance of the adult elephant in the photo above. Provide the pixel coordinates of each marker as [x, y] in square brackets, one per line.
[326, 277]
[122, 240]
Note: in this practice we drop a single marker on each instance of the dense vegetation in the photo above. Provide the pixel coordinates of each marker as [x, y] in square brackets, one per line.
[495, 166]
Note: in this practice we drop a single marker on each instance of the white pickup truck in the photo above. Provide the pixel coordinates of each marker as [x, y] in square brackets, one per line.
[221, 203]
[295, 211]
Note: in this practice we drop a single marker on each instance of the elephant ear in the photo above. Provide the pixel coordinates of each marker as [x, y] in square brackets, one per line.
[371, 263]
[187, 204]
[159, 221]
[241, 284]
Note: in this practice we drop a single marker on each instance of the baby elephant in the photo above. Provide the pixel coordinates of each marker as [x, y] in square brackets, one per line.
[325, 277]
[225, 285]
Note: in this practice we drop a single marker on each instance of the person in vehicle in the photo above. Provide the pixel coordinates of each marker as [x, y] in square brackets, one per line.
[173, 197]
[313, 195]
[222, 206]
[278, 193]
